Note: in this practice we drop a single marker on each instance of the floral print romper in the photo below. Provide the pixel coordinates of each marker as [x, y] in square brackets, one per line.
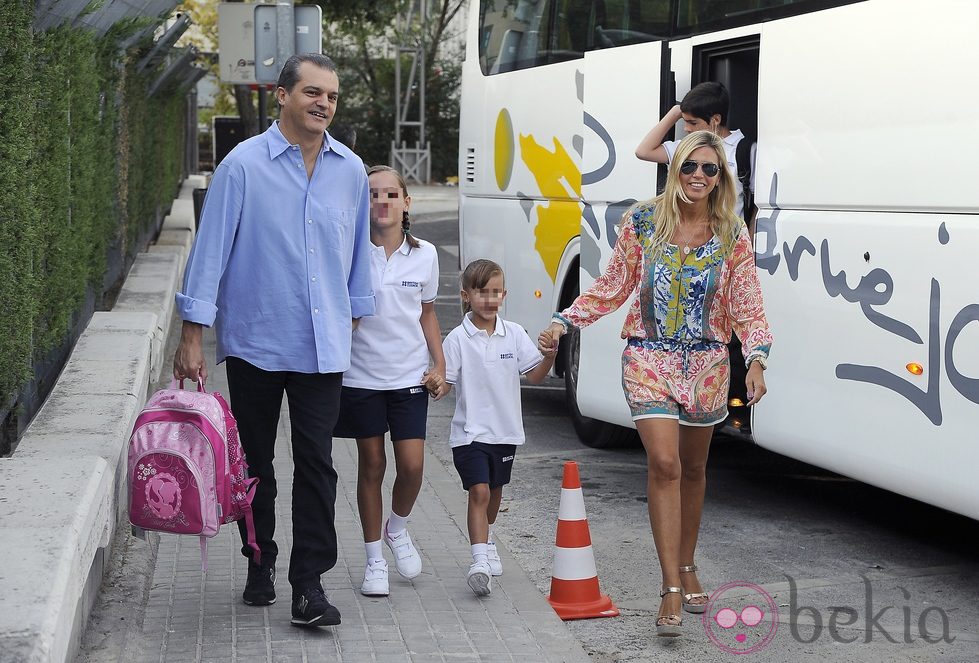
[675, 363]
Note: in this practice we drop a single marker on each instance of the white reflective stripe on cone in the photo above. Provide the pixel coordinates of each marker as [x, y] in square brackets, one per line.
[574, 564]
[572, 505]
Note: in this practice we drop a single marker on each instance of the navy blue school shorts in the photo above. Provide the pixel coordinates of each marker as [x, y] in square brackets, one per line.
[373, 412]
[478, 462]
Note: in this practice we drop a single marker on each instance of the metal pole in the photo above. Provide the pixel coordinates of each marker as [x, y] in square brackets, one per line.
[424, 75]
[285, 34]
[263, 113]
[397, 85]
[192, 164]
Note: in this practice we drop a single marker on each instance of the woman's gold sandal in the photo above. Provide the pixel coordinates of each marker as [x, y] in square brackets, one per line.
[688, 604]
[669, 626]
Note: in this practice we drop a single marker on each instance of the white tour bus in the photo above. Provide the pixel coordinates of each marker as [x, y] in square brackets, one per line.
[865, 116]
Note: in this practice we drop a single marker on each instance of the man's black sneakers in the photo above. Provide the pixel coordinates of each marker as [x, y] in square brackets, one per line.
[260, 586]
[311, 608]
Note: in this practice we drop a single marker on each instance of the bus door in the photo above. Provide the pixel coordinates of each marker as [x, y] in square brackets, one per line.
[734, 63]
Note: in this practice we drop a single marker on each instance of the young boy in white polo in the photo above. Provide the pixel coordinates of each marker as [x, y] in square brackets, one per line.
[705, 108]
[484, 359]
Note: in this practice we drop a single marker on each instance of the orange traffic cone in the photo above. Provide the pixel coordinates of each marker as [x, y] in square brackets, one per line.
[574, 580]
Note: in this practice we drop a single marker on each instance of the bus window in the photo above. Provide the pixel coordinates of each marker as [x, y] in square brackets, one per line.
[511, 34]
[622, 22]
[518, 34]
[695, 16]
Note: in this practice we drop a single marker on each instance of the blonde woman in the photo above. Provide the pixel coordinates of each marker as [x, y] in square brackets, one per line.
[689, 257]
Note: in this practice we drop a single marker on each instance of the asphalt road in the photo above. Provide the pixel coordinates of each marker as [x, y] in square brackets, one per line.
[842, 571]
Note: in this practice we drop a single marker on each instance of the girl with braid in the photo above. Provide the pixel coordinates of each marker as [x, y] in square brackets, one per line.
[381, 395]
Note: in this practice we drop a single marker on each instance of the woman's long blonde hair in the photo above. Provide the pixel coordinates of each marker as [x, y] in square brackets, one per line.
[720, 203]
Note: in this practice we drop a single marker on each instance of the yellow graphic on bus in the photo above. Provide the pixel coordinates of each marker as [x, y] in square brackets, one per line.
[503, 149]
[558, 220]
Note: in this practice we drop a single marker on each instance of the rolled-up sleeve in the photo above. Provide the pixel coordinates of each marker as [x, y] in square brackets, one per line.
[359, 285]
[746, 308]
[197, 301]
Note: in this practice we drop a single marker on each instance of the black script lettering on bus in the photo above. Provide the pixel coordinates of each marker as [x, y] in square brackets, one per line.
[875, 289]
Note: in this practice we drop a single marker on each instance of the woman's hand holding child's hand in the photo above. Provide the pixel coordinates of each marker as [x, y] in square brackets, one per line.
[547, 342]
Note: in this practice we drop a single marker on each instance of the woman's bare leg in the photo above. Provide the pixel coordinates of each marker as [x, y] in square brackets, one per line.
[694, 447]
[660, 438]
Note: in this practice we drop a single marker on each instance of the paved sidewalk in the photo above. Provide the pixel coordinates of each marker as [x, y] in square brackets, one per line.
[435, 617]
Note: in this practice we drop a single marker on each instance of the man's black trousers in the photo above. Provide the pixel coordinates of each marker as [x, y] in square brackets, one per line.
[314, 403]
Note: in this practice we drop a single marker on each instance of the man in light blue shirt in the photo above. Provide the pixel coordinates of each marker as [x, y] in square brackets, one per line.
[281, 269]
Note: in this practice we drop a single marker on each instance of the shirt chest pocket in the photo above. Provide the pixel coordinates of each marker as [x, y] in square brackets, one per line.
[337, 229]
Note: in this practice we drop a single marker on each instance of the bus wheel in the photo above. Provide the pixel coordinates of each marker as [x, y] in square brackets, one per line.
[592, 432]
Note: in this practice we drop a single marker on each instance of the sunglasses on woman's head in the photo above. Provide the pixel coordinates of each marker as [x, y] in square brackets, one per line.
[690, 167]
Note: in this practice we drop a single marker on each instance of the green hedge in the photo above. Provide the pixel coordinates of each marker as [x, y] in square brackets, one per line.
[87, 162]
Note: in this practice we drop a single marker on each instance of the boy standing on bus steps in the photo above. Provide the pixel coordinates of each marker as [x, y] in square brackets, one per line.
[484, 358]
[705, 108]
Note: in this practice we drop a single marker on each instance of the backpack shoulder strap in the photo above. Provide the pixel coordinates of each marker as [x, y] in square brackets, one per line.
[742, 156]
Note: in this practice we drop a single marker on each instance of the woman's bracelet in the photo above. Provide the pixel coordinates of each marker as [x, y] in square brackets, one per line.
[557, 318]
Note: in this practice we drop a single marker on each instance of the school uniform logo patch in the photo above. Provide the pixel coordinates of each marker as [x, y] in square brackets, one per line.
[506, 355]
[410, 284]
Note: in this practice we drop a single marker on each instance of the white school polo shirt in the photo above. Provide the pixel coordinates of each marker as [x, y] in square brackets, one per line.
[486, 370]
[731, 150]
[388, 349]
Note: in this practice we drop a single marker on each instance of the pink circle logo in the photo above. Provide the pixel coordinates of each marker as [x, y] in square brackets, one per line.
[163, 495]
[741, 618]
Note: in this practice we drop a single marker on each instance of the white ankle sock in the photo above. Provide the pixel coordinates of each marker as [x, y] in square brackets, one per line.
[373, 549]
[397, 523]
[489, 539]
[479, 552]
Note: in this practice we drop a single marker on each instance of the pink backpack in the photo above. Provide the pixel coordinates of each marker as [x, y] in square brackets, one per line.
[187, 470]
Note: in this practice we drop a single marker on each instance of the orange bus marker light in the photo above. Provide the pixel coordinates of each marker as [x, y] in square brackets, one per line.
[735, 402]
[537, 294]
[914, 368]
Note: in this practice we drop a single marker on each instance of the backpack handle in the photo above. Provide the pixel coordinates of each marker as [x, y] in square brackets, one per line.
[200, 385]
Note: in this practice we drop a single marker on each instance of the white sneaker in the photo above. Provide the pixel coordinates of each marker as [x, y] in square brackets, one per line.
[406, 558]
[375, 579]
[493, 559]
[480, 578]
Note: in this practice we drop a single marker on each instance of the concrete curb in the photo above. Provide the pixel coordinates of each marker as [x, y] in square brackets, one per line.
[63, 493]
[150, 287]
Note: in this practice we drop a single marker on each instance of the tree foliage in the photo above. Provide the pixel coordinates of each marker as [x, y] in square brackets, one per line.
[360, 35]
[362, 38]
[88, 163]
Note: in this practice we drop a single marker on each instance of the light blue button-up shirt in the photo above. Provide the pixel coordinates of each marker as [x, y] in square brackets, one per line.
[281, 262]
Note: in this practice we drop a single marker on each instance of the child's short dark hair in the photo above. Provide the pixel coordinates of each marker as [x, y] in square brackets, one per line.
[706, 100]
[476, 275]
[344, 133]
